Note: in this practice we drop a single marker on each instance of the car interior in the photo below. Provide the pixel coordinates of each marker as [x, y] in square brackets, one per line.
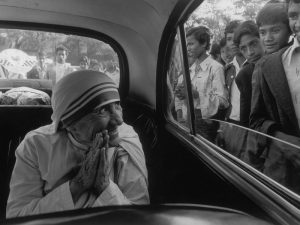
[189, 176]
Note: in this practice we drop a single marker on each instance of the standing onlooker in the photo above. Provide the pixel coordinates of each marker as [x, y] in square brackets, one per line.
[84, 63]
[39, 70]
[275, 107]
[246, 37]
[226, 54]
[207, 75]
[276, 85]
[113, 72]
[273, 25]
[231, 70]
[59, 68]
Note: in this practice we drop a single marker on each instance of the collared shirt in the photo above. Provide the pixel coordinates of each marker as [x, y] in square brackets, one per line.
[235, 95]
[208, 79]
[56, 71]
[61, 70]
[45, 162]
[291, 64]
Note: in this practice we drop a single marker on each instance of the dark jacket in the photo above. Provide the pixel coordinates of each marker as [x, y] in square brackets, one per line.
[271, 104]
[244, 83]
[230, 73]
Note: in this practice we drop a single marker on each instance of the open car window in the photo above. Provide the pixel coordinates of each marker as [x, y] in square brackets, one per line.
[209, 105]
[32, 61]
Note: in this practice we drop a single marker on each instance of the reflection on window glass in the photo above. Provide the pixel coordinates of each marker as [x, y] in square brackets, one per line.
[277, 159]
[26, 54]
[227, 44]
[176, 89]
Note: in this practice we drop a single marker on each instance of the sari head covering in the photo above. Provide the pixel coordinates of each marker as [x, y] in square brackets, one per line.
[78, 93]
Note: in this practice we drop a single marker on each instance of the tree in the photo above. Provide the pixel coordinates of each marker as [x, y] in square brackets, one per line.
[211, 15]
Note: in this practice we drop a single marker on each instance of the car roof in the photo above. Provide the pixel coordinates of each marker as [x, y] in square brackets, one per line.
[137, 25]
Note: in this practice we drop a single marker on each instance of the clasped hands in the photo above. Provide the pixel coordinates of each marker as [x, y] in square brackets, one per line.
[93, 173]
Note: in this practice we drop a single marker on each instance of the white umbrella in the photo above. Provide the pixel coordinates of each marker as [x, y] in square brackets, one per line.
[17, 61]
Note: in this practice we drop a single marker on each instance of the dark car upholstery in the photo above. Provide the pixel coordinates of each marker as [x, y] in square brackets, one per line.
[15, 122]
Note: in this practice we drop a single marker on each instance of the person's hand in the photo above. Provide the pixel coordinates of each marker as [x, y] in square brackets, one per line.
[195, 92]
[179, 91]
[102, 178]
[290, 150]
[86, 175]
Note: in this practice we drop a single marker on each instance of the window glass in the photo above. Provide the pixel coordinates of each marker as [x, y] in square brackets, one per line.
[224, 45]
[36, 59]
[176, 89]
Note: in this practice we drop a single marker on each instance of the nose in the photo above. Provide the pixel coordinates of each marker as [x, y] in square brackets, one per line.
[268, 37]
[116, 115]
[250, 51]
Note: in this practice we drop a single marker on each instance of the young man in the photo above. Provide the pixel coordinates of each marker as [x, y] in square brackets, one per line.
[207, 76]
[231, 70]
[246, 37]
[225, 52]
[273, 24]
[59, 68]
[39, 70]
[275, 106]
[276, 85]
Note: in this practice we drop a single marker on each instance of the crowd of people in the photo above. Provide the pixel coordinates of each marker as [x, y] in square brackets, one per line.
[60, 67]
[251, 79]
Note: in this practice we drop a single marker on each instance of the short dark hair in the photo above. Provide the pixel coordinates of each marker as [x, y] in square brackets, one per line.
[202, 34]
[215, 49]
[231, 27]
[294, 1]
[247, 27]
[223, 42]
[273, 12]
[61, 48]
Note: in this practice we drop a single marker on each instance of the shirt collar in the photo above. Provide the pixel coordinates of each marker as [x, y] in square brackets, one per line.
[205, 63]
[294, 48]
[236, 64]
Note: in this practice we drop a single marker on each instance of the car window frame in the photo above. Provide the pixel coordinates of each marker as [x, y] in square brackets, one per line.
[189, 137]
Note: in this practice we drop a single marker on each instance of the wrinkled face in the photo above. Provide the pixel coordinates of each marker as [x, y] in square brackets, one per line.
[294, 18]
[273, 36]
[61, 56]
[229, 42]
[107, 117]
[194, 48]
[251, 48]
[226, 54]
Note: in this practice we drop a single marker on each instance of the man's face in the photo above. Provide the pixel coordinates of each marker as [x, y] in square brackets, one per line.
[226, 54]
[251, 48]
[273, 36]
[84, 65]
[194, 48]
[61, 56]
[229, 42]
[107, 117]
[42, 60]
[294, 18]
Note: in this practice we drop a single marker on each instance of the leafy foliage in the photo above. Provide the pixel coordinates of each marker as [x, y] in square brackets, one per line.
[210, 14]
[33, 42]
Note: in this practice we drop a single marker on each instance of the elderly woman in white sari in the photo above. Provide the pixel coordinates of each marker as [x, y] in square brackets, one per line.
[86, 158]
